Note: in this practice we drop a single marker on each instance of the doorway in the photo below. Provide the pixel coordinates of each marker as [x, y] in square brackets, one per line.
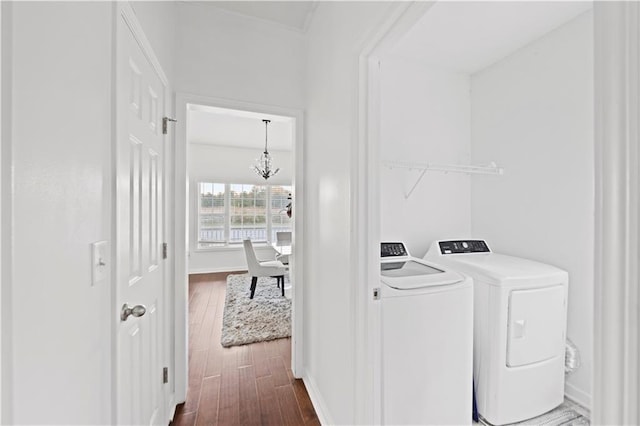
[216, 246]
[418, 75]
[246, 384]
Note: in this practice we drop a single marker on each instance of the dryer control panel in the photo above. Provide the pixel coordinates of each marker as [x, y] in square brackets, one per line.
[393, 250]
[463, 246]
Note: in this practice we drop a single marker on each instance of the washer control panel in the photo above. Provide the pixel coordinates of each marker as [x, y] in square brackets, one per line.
[393, 250]
[463, 246]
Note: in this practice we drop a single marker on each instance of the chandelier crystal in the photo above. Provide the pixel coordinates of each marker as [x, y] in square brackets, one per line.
[263, 166]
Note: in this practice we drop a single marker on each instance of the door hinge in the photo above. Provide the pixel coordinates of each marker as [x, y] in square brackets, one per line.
[165, 250]
[165, 120]
[376, 294]
[165, 375]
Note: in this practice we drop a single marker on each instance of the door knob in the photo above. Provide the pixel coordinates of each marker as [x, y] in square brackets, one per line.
[136, 311]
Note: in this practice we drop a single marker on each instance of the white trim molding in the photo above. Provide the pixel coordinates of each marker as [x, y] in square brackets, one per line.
[127, 13]
[319, 405]
[577, 395]
[365, 220]
[242, 269]
[617, 220]
[6, 216]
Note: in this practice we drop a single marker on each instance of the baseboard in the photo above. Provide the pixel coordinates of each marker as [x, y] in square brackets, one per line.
[316, 399]
[216, 270]
[172, 408]
[578, 396]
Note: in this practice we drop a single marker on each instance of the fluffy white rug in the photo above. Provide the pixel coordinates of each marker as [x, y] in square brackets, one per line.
[265, 317]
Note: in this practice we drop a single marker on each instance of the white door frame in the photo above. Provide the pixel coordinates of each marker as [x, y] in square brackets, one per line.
[6, 325]
[366, 209]
[126, 12]
[181, 220]
[616, 378]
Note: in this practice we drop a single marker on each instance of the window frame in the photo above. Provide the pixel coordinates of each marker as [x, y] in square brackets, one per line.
[227, 244]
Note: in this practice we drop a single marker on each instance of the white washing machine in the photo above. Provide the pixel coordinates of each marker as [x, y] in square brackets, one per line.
[519, 329]
[427, 341]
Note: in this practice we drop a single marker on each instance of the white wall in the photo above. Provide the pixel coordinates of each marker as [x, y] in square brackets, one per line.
[209, 163]
[425, 117]
[61, 143]
[59, 140]
[228, 164]
[335, 38]
[532, 113]
[224, 55]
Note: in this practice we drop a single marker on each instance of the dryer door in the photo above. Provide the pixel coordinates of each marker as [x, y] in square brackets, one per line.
[536, 325]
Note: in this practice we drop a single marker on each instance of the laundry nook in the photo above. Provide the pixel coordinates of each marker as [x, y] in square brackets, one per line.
[486, 151]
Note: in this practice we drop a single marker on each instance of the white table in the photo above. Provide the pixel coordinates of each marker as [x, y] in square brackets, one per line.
[283, 248]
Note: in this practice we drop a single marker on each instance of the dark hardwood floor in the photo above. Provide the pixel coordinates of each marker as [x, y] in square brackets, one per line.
[241, 385]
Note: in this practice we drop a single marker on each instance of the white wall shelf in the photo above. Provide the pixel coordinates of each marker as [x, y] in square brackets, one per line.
[490, 169]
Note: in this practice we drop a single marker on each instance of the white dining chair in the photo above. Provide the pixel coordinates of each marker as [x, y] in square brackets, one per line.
[283, 238]
[270, 268]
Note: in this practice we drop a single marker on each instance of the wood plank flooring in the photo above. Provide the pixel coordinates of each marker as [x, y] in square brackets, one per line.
[242, 385]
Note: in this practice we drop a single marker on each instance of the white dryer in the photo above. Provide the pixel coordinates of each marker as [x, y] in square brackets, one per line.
[427, 341]
[519, 329]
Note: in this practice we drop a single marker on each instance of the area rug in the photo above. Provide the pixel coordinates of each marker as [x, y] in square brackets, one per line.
[265, 317]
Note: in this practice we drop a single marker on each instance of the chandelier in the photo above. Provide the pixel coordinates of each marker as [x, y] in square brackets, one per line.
[263, 165]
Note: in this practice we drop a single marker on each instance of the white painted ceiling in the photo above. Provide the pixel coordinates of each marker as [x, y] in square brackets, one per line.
[292, 14]
[469, 36]
[234, 128]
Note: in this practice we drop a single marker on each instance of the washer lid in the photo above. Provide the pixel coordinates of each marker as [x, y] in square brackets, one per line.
[502, 269]
[407, 268]
[410, 273]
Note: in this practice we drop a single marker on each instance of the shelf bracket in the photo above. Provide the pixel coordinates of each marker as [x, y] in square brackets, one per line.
[408, 194]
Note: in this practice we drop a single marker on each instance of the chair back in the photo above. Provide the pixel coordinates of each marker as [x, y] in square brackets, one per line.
[252, 261]
[283, 236]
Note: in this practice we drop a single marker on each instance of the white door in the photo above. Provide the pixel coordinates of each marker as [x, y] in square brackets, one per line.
[139, 207]
[536, 325]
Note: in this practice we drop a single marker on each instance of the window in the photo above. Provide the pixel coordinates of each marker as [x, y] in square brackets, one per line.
[248, 211]
[230, 213]
[280, 198]
[211, 213]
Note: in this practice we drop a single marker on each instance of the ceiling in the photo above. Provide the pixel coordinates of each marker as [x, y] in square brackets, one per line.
[240, 129]
[469, 36]
[292, 14]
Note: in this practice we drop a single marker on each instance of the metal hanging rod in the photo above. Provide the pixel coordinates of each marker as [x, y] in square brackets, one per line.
[490, 169]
